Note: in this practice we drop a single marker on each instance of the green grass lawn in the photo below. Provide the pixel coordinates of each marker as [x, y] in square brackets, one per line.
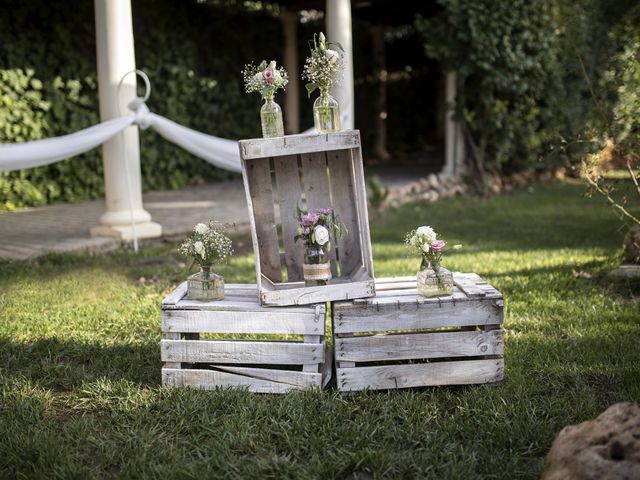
[80, 368]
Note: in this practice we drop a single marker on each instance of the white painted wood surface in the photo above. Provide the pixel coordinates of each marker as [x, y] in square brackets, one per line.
[407, 346]
[297, 144]
[398, 325]
[268, 366]
[302, 169]
[420, 375]
[213, 379]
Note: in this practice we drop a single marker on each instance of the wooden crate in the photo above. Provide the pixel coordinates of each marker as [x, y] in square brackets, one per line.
[324, 171]
[230, 359]
[399, 339]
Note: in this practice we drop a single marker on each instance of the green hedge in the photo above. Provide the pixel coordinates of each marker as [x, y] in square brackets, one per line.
[193, 53]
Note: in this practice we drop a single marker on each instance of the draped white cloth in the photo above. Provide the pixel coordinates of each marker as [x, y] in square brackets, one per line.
[221, 152]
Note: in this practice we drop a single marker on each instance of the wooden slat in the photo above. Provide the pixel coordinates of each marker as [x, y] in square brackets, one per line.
[419, 375]
[293, 378]
[327, 367]
[408, 346]
[276, 322]
[210, 379]
[316, 189]
[289, 193]
[175, 296]
[412, 316]
[343, 198]
[361, 204]
[172, 336]
[224, 351]
[258, 178]
[468, 286]
[309, 295]
[297, 144]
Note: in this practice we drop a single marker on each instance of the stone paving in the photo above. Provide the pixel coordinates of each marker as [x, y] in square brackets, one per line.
[65, 227]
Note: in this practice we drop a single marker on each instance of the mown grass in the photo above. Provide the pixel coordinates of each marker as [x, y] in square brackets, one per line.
[80, 369]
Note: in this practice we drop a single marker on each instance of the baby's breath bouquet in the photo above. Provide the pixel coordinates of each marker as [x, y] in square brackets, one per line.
[205, 245]
[323, 69]
[267, 79]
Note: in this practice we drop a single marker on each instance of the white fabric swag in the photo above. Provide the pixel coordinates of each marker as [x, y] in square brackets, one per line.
[220, 152]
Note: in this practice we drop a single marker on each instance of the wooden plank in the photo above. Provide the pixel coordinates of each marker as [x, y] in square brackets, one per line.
[297, 144]
[263, 223]
[327, 367]
[176, 295]
[276, 322]
[344, 204]
[316, 189]
[211, 379]
[311, 367]
[319, 294]
[407, 346]
[468, 286]
[361, 205]
[172, 336]
[413, 316]
[290, 377]
[226, 351]
[419, 375]
[289, 193]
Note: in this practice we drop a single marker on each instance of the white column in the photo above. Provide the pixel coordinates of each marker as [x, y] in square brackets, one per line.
[338, 22]
[292, 93]
[454, 141]
[121, 155]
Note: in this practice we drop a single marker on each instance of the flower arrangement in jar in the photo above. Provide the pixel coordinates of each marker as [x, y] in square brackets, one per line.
[315, 229]
[323, 69]
[206, 245]
[432, 280]
[267, 79]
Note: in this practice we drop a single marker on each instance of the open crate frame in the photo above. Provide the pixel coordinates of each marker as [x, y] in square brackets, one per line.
[272, 365]
[324, 171]
[399, 339]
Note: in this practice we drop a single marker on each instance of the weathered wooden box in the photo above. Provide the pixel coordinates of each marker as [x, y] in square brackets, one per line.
[237, 343]
[399, 339]
[311, 171]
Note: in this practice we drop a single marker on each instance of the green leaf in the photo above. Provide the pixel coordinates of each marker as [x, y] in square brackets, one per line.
[311, 87]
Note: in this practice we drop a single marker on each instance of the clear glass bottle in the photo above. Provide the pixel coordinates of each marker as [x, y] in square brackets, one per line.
[316, 269]
[326, 113]
[271, 119]
[205, 285]
[432, 280]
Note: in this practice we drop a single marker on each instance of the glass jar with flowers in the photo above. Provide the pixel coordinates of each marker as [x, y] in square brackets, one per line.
[205, 245]
[315, 229]
[432, 280]
[267, 79]
[322, 69]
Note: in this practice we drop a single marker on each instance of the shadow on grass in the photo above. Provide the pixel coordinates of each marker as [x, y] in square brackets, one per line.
[61, 365]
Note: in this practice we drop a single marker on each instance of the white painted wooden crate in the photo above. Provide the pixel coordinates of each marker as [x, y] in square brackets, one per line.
[399, 339]
[326, 171]
[275, 365]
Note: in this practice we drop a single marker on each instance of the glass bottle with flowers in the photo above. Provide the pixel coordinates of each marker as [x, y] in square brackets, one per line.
[323, 69]
[314, 229]
[205, 245]
[267, 79]
[432, 280]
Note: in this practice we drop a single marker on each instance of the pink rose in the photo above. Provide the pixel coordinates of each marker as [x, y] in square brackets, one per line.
[437, 245]
[268, 75]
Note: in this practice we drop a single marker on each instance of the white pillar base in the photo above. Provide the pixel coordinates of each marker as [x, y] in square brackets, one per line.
[125, 232]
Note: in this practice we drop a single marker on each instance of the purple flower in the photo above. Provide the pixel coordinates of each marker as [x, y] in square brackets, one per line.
[437, 245]
[324, 211]
[306, 230]
[268, 75]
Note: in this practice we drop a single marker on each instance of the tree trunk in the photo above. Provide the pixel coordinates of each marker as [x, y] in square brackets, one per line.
[380, 70]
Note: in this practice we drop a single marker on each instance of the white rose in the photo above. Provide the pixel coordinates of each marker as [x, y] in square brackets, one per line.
[427, 233]
[258, 77]
[199, 248]
[321, 235]
[333, 56]
[201, 228]
[426, 248]
[414, 241]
